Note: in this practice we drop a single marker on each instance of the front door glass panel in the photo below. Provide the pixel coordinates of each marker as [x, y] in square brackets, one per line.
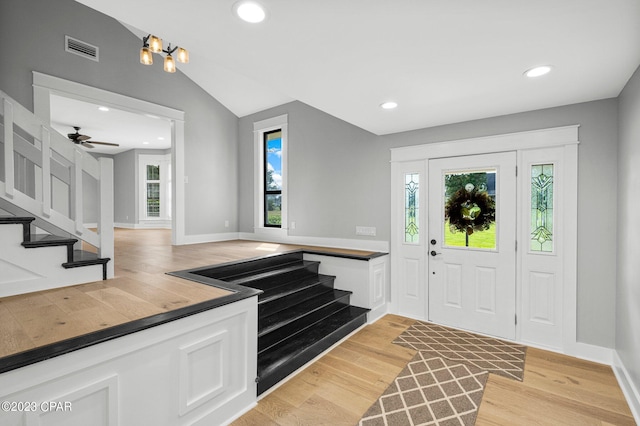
[469, 209]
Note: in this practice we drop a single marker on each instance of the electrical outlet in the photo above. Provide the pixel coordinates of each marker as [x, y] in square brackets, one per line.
[369, 231]
[226, 223]
[293, 225]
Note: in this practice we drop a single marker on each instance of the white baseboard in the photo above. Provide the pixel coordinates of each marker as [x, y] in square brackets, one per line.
[629, 389]
[343, 243]
[240, 413]
[146, 225]
[593, 353]
[376, 313]
[209, 238]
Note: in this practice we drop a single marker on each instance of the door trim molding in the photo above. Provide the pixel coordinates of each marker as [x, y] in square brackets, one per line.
[543, 138]
[565, 137]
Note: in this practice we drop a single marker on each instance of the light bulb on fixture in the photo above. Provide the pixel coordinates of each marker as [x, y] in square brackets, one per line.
[146, 57]
[169, 64]
[183, 55]
[155, 44]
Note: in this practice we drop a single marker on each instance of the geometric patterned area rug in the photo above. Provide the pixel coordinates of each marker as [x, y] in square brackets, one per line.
[487, 353]
[430, 390]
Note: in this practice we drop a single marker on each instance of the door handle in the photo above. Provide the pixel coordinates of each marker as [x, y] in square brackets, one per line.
[433, 253]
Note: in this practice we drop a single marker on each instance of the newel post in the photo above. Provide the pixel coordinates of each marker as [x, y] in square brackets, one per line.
[105, 219]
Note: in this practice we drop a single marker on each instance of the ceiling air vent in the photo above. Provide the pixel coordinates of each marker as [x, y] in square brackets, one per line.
[80, 48]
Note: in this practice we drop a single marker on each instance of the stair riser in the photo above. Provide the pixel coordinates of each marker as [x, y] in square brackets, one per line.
[282, 279]
[301, 324]
[267, 324]
[69, 249]
[24, 222]
[277, 305]
[225, 272]
[304, 356]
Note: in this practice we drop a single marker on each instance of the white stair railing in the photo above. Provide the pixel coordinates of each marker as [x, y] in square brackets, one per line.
[42, 172]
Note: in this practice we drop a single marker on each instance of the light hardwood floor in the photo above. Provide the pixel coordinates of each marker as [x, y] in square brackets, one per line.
[339, 387]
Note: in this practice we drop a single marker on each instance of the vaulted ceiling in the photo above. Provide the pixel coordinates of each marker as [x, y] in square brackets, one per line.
[442, 61]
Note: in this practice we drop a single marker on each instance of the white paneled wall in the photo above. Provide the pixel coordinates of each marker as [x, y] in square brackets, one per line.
[196, 370]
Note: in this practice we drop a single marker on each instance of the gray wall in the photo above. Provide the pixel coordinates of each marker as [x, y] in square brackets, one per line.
[331, 164]
[628, 288]
[35, 30]
[125, 172]
[340, 177]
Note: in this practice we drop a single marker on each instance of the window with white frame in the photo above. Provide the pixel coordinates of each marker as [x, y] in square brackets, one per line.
[155, 187]
[270, 139]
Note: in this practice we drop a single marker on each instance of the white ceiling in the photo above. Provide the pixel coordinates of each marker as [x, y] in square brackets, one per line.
[128, 129]
[442, 61]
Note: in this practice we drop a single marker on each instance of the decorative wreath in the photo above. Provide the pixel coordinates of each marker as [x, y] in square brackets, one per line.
[470, 210]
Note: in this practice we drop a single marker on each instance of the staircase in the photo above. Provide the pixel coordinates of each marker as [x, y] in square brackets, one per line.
[26, 272]
[300, 314]
[44, 177]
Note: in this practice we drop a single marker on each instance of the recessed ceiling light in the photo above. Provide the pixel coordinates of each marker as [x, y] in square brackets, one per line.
[145, 143]
[389, 105]
[538, 71]
[250, 11]
[103, 108]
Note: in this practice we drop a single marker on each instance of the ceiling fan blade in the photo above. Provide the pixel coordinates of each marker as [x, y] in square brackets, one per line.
[83, 137]
[87, 144]
[105, 143]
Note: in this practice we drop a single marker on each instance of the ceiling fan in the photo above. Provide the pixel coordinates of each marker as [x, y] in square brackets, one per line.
[83, 140]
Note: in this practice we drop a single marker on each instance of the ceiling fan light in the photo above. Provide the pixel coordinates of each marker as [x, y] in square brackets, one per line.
[183, 55]
[169, 64]
[155, 44]
[146, 57]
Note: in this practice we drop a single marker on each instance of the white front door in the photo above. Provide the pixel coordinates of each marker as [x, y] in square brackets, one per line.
[472, 243]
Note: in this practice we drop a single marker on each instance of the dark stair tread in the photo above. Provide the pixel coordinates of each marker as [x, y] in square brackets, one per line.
[295, 286]
[280, 319]
[302, 324]
[46, 240]
[85, 258]
[283, 359]
[274, 271]
[16, 219]
[284, 301]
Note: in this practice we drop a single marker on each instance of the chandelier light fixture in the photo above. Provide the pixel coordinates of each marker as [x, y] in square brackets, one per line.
[152, 44]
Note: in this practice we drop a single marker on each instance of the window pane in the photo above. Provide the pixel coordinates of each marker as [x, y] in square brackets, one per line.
[470, 209]
[542, 208]
[153, 172]
[273, 159]
[153, 199]
[273, 212]
[411, 208]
